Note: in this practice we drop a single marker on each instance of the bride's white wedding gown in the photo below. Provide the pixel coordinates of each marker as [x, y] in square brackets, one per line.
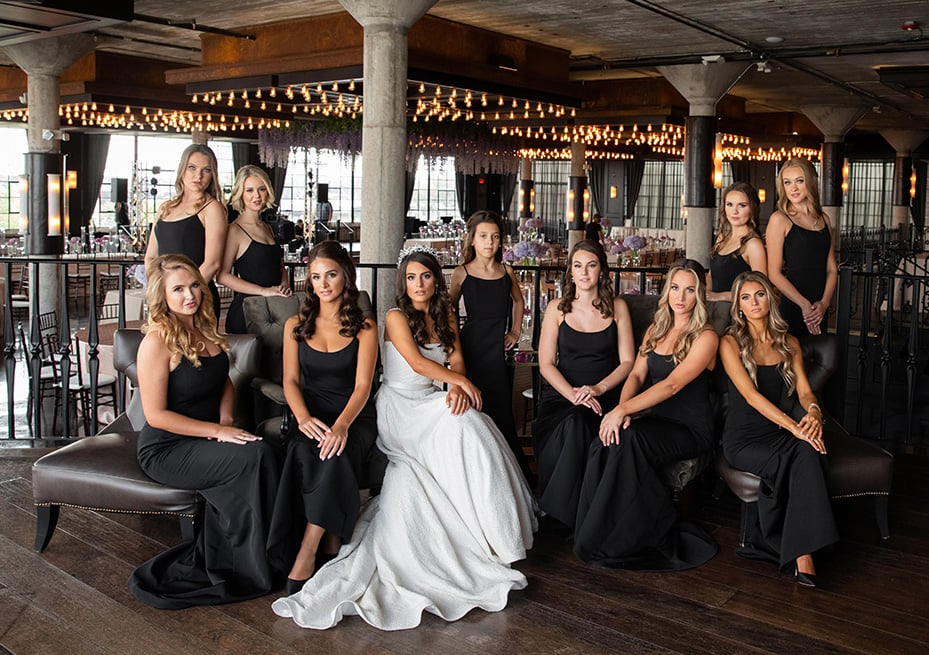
[453, 513]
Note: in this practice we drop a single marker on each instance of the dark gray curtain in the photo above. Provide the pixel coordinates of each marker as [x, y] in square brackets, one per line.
[409, 185]
[243, 153]
[87, 155]
[597, 185]
[918, 203]
[510, 182]
[635, 171]
[460, 192]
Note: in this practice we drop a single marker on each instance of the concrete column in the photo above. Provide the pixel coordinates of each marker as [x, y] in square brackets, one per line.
[577, 184]
[44, 61]
[702, 85]
[384, 139]
[834, 122]
[904, 142]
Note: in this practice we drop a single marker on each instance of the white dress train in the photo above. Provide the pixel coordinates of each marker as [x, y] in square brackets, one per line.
[453, 513]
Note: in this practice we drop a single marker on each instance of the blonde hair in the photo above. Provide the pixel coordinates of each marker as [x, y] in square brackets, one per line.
[664, 317]
[811, 181]
[238, 187]
[776, 327]
[213, 192]
[176, 336]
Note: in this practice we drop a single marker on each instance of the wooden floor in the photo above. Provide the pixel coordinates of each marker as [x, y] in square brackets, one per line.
[872, 596]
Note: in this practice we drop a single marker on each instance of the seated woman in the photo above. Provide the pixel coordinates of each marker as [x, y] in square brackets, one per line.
[774, 428]
[189, 441]
[626, 516]
[330, 353]
[586, 350]
[253, 263]
[454, 510]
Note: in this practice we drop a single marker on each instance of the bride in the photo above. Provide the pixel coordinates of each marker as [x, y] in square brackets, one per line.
[454, 510]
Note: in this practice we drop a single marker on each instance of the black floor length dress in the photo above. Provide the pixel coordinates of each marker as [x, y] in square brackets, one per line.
[324, 493]
[724, 269]
[260, 264]
[794, 511]
[186, 236]
[563, 432]
[488, 305]
[805, 256]
[626, 516]
[226, 562]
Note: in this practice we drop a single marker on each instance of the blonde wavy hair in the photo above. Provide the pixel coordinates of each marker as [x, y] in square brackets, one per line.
[175, 335]
[811, 181]
[238, 187]
[664, 317]
[213, 192]
[776, 327]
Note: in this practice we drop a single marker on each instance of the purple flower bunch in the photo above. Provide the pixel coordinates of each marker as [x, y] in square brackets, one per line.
[634, 242]
[137, 272]
[616, 247]
[534, 224]
[528, 249]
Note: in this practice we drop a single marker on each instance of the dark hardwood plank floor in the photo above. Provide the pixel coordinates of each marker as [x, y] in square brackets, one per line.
[73, 598]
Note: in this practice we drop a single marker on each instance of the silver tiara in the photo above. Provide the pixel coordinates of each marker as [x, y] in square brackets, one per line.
[406, 252]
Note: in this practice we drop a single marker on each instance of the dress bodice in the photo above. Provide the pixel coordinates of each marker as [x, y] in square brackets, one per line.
[587, 357]
[486, 300]
[185, 236]
[327, 379]
[691, 405]
[725, 269]
[805, 253]
[398, 374]
[260, 263]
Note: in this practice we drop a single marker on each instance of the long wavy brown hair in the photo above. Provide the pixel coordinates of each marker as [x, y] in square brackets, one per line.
[604, 299]
[811, 180]
[664, 316]
[350, 314]
[440, 305]
[175, 335]
[476, 219]
[776, 327]
[213, 192]
[724, 228]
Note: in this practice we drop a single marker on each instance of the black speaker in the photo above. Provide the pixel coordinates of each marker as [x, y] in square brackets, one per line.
[322, 193]
[119, 189]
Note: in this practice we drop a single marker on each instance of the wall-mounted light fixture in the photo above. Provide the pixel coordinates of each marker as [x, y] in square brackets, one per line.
[532, 201]
[913, 185]
[586, 205]
[54, 204]
[762, 196]
[718, 162]
[23, 204]
[613, 191]
[570, 212]
[845, 177]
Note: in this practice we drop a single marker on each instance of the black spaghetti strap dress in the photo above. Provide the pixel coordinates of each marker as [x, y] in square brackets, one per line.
[794, 511]
[260, 264]
[324, 493]
[626, 516]
[724, 269]
[488, 305]
[805, 256]
[227, 561]
[186, 236]
[563, 432]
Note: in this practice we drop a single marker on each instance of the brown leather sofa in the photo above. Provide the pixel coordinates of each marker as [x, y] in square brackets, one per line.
[102, 472]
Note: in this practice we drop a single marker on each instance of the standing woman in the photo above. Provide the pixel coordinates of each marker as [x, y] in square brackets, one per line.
[626, 516]
[253, 263]
[189, 442]
[330, 353]
[586, 351]
[193, 222]
[490, 290]
[801, 250]
[774, 428]
[738, 246]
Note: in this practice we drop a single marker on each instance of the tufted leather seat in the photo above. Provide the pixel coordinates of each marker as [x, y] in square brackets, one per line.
[102, 472]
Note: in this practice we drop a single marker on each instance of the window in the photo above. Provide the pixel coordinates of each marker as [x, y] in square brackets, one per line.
[661, 196]
[869, 201]
[434, 189]
[310, 167]
[550, 181]
[11, 167]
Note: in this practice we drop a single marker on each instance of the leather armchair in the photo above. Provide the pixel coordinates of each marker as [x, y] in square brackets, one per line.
[102, 472]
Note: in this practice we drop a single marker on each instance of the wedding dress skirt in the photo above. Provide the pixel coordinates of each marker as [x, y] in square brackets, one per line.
[453, 513]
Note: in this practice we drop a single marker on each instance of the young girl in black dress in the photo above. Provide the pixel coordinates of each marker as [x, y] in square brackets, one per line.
[330, 353]
[774, 428]
[738, 246]
[586, 351]
[490, 289]
[189, 441]
[251, 251]
[626, 516]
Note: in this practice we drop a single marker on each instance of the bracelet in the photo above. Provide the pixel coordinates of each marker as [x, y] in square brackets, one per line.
[810, 408]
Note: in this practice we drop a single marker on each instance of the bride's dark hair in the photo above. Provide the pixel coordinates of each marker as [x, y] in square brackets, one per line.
[440, 304]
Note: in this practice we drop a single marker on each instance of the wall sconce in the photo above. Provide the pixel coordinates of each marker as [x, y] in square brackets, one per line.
[54, 204]
[522, 201]
[531, 201]
[586, 205]
[23, 204]
[762, 196]
[570, 212]
[70, 185]
[913, 185]
[845, 177]
[613, 191]
[718, 163]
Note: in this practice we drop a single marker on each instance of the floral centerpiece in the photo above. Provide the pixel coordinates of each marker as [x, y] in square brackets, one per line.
[530, 247]
[628, 248]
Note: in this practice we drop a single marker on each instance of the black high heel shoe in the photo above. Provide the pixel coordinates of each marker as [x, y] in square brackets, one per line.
[293, 586]
[804, 579]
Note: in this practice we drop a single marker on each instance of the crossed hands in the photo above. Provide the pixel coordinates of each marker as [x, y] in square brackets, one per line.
[462, 396]
[813, 316]
[331, 439]
[586, 395]
[810, 429]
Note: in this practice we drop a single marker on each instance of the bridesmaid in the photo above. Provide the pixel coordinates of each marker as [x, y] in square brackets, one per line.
[774, 428]
[801, 250]
[329, 363]
[253, 263]
[626, 516]
[738, 246]
[193, 222]
[189, 441]
[490, 289]
[586, 350]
